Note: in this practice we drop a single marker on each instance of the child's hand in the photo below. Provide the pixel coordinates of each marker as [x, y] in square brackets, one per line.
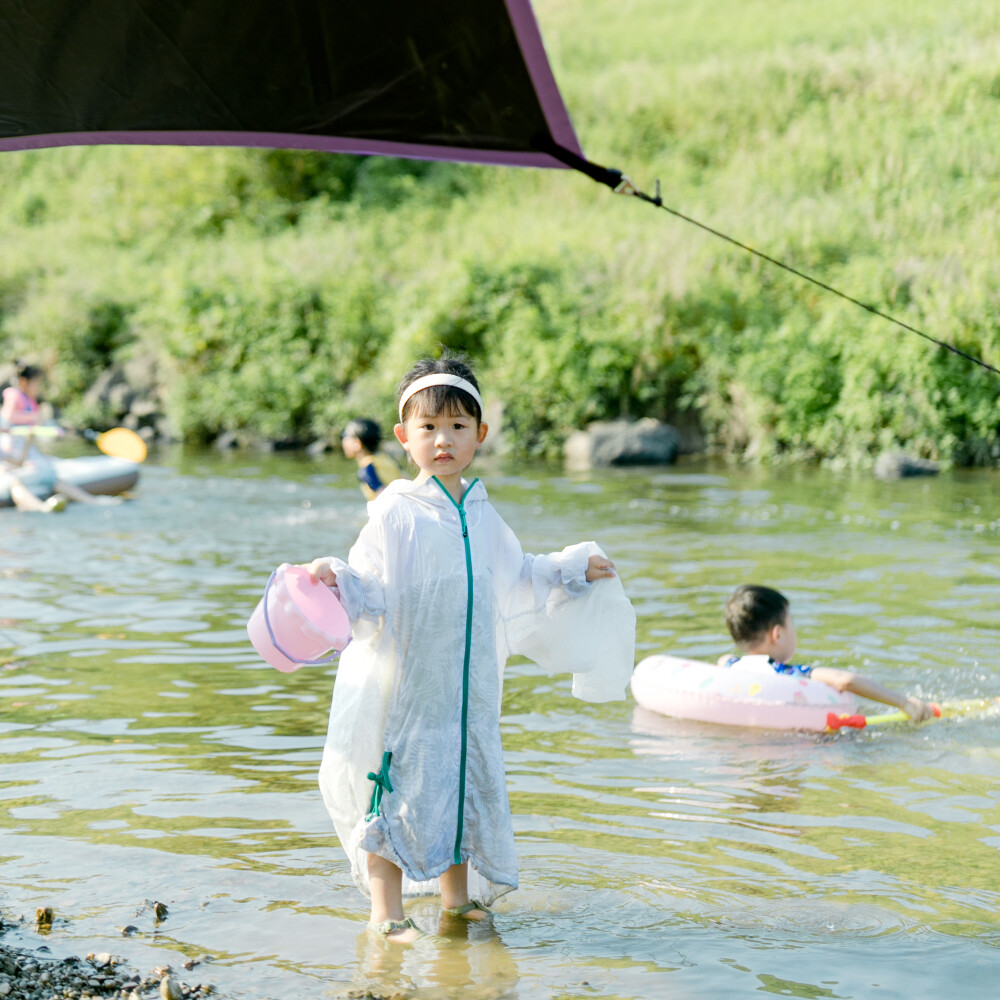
[322, 571]
[599, 568]
[918, 710]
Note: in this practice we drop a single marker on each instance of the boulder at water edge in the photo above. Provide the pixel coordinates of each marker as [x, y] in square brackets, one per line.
[622, 442]
[897, 465]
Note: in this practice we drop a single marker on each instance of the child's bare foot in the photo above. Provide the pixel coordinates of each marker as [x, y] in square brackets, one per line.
[472, 910]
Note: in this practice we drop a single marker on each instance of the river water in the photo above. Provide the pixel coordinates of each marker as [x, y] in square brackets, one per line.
[149, 755]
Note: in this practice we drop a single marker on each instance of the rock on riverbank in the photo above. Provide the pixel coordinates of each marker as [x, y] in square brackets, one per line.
[31, 975]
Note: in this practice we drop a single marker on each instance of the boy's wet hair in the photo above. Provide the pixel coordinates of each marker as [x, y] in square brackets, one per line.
[366, 431]
[753, 611]
[437, 399]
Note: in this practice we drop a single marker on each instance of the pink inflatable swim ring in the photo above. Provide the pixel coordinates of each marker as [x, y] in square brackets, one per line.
[737, 695]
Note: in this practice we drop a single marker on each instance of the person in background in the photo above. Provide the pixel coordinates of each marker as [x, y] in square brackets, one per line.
[29, 475]
[760, 622]
[376, 469]
[31, 485]
[19, 408]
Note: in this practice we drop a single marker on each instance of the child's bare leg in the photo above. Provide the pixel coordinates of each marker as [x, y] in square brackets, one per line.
[455, 891]
[82, 496]
[23, 498]
[386, 883]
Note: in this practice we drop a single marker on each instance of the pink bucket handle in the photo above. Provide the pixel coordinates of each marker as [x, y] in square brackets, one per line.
[274, 641]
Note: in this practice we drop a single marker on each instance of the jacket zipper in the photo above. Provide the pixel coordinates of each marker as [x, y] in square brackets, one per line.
[460, 507]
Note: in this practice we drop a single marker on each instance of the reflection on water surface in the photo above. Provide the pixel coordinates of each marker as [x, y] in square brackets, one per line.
[148, 754]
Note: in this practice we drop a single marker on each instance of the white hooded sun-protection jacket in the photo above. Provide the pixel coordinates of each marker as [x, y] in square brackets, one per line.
[439, 593]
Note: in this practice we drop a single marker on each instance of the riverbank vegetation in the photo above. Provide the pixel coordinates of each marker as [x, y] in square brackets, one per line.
[277, 293]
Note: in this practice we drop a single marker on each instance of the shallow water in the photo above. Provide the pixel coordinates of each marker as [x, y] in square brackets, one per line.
[148, 754]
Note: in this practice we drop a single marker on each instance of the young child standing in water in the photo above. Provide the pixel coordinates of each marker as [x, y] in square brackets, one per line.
[760, 622]
[439, 593]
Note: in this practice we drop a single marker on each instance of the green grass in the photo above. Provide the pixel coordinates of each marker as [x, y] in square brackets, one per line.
[280, 293]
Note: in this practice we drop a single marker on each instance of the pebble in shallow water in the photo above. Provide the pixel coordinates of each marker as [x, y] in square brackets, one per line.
[26, 976]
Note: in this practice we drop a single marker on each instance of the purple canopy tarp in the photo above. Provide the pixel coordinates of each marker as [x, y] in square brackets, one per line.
[452, 80]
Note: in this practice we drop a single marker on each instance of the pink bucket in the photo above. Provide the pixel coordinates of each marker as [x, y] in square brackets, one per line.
[298, 620]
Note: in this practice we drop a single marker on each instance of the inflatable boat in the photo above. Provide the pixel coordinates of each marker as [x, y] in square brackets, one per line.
[97, 474]
[738, 695]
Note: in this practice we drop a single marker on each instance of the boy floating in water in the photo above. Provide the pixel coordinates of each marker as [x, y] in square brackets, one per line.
[760, 622]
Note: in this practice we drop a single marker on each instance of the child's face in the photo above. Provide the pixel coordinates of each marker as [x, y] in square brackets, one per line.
[442, 444]
[783, 640]
[351, 445]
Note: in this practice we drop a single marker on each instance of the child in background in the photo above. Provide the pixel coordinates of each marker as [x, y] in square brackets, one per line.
[20, 405]
[439, 594]
[19, 409]
[26, 474]
[29, 475]
[376, 470]
[760, 622]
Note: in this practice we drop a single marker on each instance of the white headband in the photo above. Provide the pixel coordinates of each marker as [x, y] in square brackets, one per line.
[428, 380]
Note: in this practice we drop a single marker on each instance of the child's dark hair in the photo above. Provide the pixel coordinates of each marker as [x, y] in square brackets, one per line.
[28, 372]
[366, 431]
[753, 611]
[441, 398]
